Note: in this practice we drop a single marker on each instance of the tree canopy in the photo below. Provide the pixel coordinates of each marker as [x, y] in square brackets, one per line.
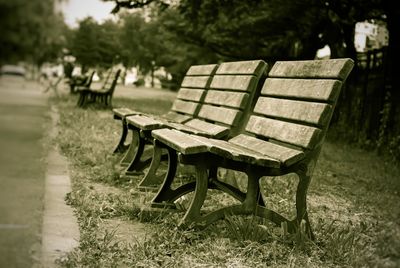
[30, 31]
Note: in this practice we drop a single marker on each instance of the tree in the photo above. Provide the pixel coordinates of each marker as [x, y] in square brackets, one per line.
[30, 31]
[95, 44]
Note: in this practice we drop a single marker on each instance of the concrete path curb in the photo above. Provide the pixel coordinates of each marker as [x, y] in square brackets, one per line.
[60, 230]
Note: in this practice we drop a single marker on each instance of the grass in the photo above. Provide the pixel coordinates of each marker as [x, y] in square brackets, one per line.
[353, 203]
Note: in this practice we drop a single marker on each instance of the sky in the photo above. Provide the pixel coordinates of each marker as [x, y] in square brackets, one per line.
[78, 9]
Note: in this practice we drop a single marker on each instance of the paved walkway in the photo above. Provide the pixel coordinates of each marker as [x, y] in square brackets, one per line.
[31, 195]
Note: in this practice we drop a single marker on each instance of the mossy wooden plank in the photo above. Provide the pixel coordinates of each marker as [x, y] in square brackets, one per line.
[176, 117]
[301, 111]
[311, 89]
[286, 155]
[334, 68]
[223, 115]
[234, 82]
[190, 94]
[144, 122]
[296, 134]
[195, 82]
[209, 129]
[207, 69]
[186, 107]
[226, 98]
[256, 67]
[179, 141]
[122, 112]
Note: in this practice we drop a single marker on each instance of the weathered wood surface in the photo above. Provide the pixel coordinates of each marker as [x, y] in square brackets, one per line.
[308, 89]
[330, 69]
[207, 69]
[206, 129]
[123, 112]
[180, 141]
[301, 111]
[231, 82]
[256, 67]
[227, 98]
[145, 122]
[191, 94]
[176, 117]
[186, 107]
[220, 114]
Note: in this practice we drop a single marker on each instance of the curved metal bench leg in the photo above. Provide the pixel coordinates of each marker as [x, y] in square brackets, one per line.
[151, 180]
[121, 146]
[134, 153]
[301, 201]
[165, 192]
[132, 147]
[193, 214]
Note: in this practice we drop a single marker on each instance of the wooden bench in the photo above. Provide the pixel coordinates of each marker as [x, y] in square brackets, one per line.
[80, 82]
[185, 107]
[284, 134]
[102, 95]
[226, 104]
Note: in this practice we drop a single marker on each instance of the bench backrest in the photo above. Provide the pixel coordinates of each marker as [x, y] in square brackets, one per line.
[89, 80]
[111, 81]
[297, 101]
[229, 97]
[192, 92]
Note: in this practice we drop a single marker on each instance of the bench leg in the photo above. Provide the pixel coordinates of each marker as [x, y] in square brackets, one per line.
[132, 156]
[301, 202]
[81, 99]
[165, 193]
[151, 179]
[121, 146]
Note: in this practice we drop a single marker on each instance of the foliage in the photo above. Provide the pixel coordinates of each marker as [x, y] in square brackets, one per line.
[95, 45]
[30, 31]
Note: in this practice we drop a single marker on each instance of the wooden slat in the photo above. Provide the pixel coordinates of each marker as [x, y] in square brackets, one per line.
[186, 107]
[333, 68]
[307, 112]
[312, 89]
[195, 81]
[122, 112]
[296, 134]
[208, 69]
[229, 99]
[240, 153]
[179, 141]
[236, 82]
[209, 129]
[190, 94]
[287, 156]
[176, 117]
[145, 122]
[220, 114]
[256, 67]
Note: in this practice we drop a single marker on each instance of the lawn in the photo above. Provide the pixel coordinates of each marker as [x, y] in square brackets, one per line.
[353, 203]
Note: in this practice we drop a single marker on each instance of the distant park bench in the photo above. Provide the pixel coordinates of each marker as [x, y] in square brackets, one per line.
[284, 134]
[219, 112]
[102, 95]
[82, 81]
